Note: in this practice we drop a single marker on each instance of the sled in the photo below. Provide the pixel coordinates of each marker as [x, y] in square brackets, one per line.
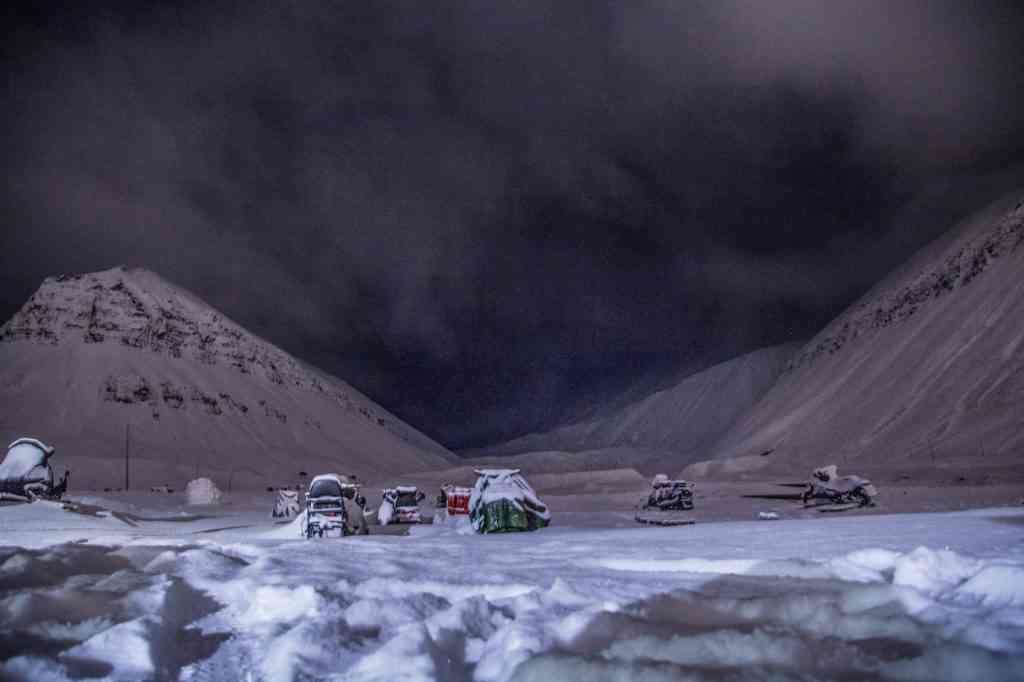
[838, 507]
[651, 520]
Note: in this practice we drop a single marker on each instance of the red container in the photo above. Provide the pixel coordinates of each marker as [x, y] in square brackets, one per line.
[458, 500]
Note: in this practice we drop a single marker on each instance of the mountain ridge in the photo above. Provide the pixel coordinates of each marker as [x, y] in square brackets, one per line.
[128, 339]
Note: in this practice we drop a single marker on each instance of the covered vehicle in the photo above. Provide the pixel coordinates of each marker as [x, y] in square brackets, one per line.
[400, 504]
[666, 502]
[827, 487]
[26, 474]
[286, 503]
[502, 501]
[326, 513]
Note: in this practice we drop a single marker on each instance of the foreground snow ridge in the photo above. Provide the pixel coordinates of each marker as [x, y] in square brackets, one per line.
[558, 604]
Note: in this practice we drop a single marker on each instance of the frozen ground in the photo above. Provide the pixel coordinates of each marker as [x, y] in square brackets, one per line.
[150, 589]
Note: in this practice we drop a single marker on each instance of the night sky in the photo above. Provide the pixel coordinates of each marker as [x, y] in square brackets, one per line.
[485, 214]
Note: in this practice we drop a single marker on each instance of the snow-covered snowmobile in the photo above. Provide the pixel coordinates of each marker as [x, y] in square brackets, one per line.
[832, 492]
[502, 501]
[326, 513]
[666, 503]
[400, 505]
[26, 474]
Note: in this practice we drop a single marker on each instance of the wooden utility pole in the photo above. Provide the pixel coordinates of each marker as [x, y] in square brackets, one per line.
[127, 452]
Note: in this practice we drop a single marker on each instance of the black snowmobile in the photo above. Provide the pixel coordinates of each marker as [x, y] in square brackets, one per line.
[26, 474]
[666, 502]
[832, 492]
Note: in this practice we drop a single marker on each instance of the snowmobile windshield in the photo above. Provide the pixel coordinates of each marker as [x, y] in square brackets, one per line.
[325, 488]
[406, 500]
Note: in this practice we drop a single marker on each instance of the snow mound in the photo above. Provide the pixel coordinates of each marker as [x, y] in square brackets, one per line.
[202, 491]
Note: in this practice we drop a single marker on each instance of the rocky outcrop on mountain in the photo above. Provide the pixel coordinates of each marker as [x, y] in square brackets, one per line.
[129, 347]
[970, 256]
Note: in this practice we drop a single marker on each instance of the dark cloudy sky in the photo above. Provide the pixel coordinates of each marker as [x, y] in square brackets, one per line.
[481, 212]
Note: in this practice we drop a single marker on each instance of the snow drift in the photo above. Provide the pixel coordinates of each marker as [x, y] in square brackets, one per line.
[523, 607]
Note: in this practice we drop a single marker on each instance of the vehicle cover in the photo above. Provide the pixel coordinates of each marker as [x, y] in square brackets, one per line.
[502, 501]
[25, 472]
[286, 504]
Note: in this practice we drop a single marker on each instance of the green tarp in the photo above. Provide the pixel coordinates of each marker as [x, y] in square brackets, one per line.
[505, 516]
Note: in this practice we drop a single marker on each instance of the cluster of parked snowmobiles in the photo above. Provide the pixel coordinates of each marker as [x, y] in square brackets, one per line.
[500, 502]
[26, 474]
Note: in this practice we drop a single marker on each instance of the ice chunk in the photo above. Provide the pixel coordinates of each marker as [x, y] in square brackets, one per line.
[274, 605]
[933, 571]
[125, 647]
[996, 585]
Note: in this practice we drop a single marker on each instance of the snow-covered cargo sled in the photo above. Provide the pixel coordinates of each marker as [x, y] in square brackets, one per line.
[667, 503]
[26, 474]
[502, 501]
[831, 492]
[400, 504]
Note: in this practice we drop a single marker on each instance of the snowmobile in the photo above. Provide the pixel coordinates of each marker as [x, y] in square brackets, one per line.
[326, 513]
[26, 474]
[400, 505]
[666, 502]
[832, 492]
[502, 501]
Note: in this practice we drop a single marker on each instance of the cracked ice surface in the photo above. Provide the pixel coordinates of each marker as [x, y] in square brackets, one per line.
[924, 596]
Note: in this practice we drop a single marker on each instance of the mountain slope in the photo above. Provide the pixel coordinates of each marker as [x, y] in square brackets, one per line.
[89, 355]
[676, 425]
[927, 369]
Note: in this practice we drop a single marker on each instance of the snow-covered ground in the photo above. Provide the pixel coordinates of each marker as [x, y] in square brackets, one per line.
[224, 593]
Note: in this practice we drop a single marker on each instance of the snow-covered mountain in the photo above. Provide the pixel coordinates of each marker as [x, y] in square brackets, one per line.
[925, 371]
[92, 361]
[669, 427]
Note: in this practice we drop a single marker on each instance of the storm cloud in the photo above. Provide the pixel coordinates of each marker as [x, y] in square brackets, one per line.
[482, 213]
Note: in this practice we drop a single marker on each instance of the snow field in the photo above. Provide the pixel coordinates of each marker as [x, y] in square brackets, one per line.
[927, 596]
